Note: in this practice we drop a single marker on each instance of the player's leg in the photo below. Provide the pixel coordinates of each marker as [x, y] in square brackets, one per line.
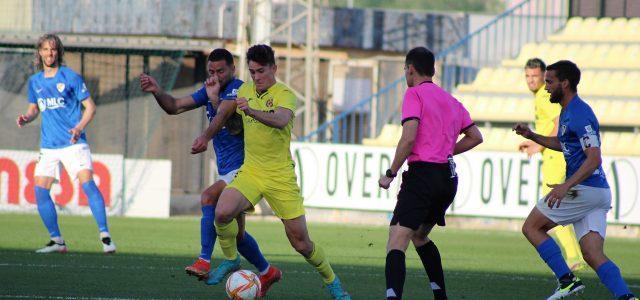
[592, 230]
[230, 204]
[208, 200]
[298, 235]
[77, 160]
[48, 214]
[283, 195]
[249, 249]
[46, 172]
[431, 260]
[553, 172]
[535, 229]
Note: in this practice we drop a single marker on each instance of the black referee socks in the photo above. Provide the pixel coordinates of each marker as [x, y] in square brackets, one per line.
[432, 263]
[395, 271]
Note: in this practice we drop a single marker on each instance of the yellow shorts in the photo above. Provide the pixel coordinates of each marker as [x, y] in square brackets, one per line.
[553, 169]
[280, 189]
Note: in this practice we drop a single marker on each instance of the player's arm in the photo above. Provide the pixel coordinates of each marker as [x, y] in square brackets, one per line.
[472, 137]
[277, 119]
[168, 103]
[87, 115]
[551, 142]
[225, 110]
[593, 161]
[32, 114]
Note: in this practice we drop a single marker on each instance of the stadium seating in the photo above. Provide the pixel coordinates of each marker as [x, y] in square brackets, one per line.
[389, 136]
[519, 108]
[599, 30]
[619, 83]
[587, 55]
[608, 52]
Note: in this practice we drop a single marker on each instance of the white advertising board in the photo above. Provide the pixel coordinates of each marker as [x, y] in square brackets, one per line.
[148, 184]
[491, 184]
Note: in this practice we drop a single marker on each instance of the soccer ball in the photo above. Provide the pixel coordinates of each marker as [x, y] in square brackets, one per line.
[243, 285]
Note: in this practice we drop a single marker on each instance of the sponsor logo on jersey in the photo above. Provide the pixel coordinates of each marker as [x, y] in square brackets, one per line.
[51, 103]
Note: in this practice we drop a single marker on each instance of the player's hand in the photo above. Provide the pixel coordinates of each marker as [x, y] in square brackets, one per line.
[199, 144]
[22, 120]
[530, 148]
[212, 86]
[558, 192]
[243, 105]
[385, 182]
[523, 130]
[149, 84]
[75, 134]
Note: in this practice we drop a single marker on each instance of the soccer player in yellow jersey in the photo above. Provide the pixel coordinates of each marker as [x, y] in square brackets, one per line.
[267, 108]
[553, 164]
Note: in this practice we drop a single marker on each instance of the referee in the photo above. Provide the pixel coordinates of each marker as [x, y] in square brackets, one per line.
[432, 120]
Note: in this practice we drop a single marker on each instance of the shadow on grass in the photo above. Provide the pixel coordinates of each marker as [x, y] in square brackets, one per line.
[93, 275]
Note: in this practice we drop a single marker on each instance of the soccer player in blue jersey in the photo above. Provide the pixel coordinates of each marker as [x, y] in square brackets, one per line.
[225, 130]
[583, 199]
[59, 94]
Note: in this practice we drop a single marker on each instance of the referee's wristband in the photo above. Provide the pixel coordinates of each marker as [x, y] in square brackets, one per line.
[390, 174]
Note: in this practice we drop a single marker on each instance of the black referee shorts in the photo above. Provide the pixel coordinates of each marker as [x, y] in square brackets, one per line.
[426, 192]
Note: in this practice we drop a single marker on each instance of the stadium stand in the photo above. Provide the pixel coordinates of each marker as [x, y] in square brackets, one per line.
[608, 52]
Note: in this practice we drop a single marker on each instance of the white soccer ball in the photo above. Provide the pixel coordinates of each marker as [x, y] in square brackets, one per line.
[243, 285]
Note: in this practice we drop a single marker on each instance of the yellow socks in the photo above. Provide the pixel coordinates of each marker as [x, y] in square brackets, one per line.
[318, 260]
[227, 237]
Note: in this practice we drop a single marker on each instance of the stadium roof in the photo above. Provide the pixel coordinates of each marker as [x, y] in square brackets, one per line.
[117, 42]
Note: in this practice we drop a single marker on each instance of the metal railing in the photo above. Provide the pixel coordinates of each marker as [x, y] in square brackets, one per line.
[502, 37]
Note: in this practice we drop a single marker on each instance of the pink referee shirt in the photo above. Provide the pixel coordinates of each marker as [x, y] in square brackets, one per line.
[442, 118]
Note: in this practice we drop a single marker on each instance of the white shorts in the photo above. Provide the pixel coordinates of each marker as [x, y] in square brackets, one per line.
[228, 178]
[587, 210]
[74, 158]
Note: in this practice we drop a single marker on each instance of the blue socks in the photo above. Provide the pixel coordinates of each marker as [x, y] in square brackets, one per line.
[207, 231]
[552, 255]
[610, 276]
[248, 248]
[96, 203]
[47, 211]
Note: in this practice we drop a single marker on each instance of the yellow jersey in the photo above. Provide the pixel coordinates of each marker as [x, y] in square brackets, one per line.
[546, 112]
[265, 147]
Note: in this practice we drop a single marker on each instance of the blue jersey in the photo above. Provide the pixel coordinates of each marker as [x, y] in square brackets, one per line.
[59, 99]
[579, 130]
[229, 148]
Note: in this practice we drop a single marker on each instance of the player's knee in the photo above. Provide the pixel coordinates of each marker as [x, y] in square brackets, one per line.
[593, 256]
[223, 216]
[526, 229]
[206, 199]
[587, 254]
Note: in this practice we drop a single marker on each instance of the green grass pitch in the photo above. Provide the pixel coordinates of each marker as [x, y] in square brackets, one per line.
[152, 254]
